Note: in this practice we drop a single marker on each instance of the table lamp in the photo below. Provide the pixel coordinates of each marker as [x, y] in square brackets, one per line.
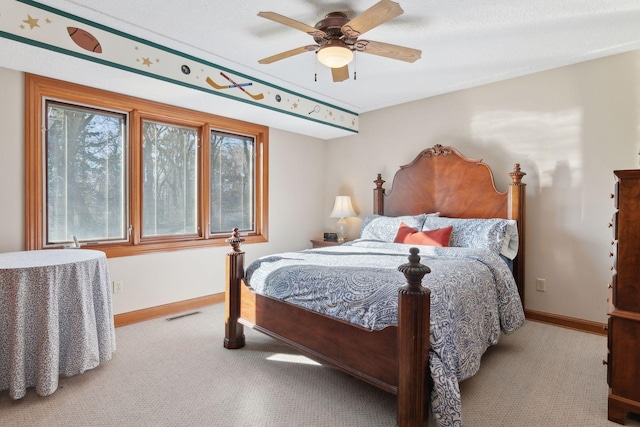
[341, 209]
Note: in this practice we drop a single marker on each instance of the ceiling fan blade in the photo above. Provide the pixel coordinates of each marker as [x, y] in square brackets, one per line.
[392, 51]
[287, 54]
[379, 13]
[276, 17]
[340, 74]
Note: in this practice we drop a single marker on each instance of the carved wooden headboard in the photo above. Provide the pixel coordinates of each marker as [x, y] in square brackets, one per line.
[440, 179]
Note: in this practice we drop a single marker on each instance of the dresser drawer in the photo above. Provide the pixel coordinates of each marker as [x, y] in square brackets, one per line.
[614, 225]
[625, 354]
[613, 254]
[609, 345]
[609, 368]
[614, 289]
[611, 299]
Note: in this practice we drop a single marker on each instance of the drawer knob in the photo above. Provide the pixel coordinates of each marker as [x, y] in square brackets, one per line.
[610, 225]
[604, 362]
[609, 286]
[611, 196]
[610, 254]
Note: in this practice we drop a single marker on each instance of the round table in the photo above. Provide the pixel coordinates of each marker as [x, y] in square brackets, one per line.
[56, 317]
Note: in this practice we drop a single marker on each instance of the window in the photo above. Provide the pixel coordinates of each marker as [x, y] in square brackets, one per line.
[132, 176]
[85, 159]
[169, 180]
[232, 189]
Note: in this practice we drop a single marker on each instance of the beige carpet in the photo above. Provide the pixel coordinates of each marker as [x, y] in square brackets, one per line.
[177, 373]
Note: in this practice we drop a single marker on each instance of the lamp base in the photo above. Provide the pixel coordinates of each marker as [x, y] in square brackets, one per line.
[341, 230]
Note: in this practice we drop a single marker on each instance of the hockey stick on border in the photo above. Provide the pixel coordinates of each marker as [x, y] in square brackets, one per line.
[217, 86]
[256, 97]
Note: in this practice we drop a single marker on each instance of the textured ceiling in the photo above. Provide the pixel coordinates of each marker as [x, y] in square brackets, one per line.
[464, 43]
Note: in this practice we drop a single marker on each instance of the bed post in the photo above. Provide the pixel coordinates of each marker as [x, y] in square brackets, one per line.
[378, 196]
[414, 309]
[516, 211]
[233, 331]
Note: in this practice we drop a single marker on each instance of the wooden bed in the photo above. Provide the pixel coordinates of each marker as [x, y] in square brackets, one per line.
[394, 359]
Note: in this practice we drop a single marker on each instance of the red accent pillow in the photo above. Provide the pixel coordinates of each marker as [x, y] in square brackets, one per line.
[437, 237]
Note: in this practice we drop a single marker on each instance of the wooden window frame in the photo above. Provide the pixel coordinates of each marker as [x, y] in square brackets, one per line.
[37, 88]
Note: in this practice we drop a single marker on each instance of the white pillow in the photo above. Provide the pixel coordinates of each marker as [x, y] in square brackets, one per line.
[496, 234]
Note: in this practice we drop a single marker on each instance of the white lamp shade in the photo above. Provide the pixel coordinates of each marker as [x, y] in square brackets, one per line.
[342, 208]
[335, 56]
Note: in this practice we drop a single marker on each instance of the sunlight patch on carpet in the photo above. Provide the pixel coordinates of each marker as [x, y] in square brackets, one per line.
[293, 358]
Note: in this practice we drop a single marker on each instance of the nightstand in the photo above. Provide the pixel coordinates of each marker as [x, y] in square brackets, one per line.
[323, 243]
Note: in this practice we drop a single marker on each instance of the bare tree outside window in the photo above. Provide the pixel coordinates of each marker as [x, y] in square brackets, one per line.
[85, 193]
[169, 179]
[232, 182]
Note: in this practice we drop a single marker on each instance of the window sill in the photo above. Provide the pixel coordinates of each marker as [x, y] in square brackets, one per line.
[122, 250]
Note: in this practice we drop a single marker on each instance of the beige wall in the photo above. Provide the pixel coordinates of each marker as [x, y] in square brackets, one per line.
[11, 160]
[569, 128]
[295, 213]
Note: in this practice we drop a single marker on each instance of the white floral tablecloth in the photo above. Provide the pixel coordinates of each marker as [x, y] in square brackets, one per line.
[56, 317]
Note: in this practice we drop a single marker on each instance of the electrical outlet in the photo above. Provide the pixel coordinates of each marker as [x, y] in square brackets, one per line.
[541, 285]
[117, 287]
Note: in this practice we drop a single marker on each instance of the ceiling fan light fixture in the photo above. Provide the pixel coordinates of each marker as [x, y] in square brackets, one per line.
[333, 56]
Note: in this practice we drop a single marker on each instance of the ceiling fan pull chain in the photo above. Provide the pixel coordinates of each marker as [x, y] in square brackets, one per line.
[355, 67]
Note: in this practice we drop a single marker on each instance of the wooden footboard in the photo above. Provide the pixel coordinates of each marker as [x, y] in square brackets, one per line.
[394, 359]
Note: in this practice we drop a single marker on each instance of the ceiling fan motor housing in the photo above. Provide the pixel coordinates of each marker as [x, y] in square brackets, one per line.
[331, 25]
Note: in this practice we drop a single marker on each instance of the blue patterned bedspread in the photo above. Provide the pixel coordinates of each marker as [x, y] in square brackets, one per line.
[473, 298]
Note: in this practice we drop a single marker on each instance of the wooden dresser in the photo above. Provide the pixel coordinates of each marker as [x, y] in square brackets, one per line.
[623, 359]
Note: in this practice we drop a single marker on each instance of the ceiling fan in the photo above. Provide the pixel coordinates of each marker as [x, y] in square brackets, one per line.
[336, 38]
